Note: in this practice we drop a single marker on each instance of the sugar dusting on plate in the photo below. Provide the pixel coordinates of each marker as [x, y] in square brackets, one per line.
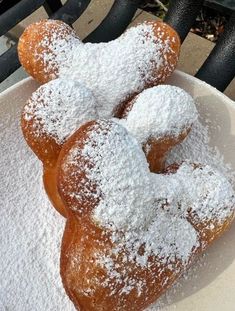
[31, 230]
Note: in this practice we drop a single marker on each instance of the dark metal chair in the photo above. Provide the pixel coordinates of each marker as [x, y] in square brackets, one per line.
[217, 70]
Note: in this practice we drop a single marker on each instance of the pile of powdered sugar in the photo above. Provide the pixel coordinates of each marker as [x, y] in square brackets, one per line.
[59, 107]
[165, 110]
[31, 230]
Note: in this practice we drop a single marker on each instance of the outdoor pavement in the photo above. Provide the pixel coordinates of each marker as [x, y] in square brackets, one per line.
[193, 51]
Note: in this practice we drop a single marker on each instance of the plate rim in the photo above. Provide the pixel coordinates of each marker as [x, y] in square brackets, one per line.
[176, 72]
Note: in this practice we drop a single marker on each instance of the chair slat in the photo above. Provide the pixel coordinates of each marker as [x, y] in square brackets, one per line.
[51, 6]
[71, 11]
[115, 23]
[219, 68]
[182, 14]
[17, 13]
[224, 6]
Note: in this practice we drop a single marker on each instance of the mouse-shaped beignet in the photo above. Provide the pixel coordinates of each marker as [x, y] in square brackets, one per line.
[131, 233]
[143, 56]
[53, 112]
[160, 117]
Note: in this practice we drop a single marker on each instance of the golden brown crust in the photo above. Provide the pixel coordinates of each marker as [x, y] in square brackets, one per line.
[47, 150]
[31, 48]
[50, 185]
[44, 146]
[84, 204]
[84, 279]
[171, 55]
[156, 150]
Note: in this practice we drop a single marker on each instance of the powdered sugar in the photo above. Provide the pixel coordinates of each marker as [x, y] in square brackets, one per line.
[196, 149]
[132, 198]
[136, 182]
[59, 107]
[54, 48]
[116, 69]
[148, 209]
[145, 209]
[165, 110]
[203, 190]
[31, 230]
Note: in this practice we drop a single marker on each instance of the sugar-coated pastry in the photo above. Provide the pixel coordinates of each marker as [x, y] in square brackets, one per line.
[59, 107]
[53, 112]
[131, 233]
[143, 56]
[160, 118]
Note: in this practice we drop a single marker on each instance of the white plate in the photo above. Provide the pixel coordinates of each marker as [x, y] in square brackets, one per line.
[211, 285]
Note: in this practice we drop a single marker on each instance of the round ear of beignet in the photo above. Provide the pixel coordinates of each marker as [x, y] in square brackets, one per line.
[53, 112]
[159, 117]
[211, 188]
[43, 46]
[170, 50]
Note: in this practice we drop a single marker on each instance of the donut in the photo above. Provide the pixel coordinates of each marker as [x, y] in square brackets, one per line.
[131, 233]
[143, 56]
[53, 112]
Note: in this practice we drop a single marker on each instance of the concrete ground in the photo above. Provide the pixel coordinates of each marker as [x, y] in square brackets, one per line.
[193, 52]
